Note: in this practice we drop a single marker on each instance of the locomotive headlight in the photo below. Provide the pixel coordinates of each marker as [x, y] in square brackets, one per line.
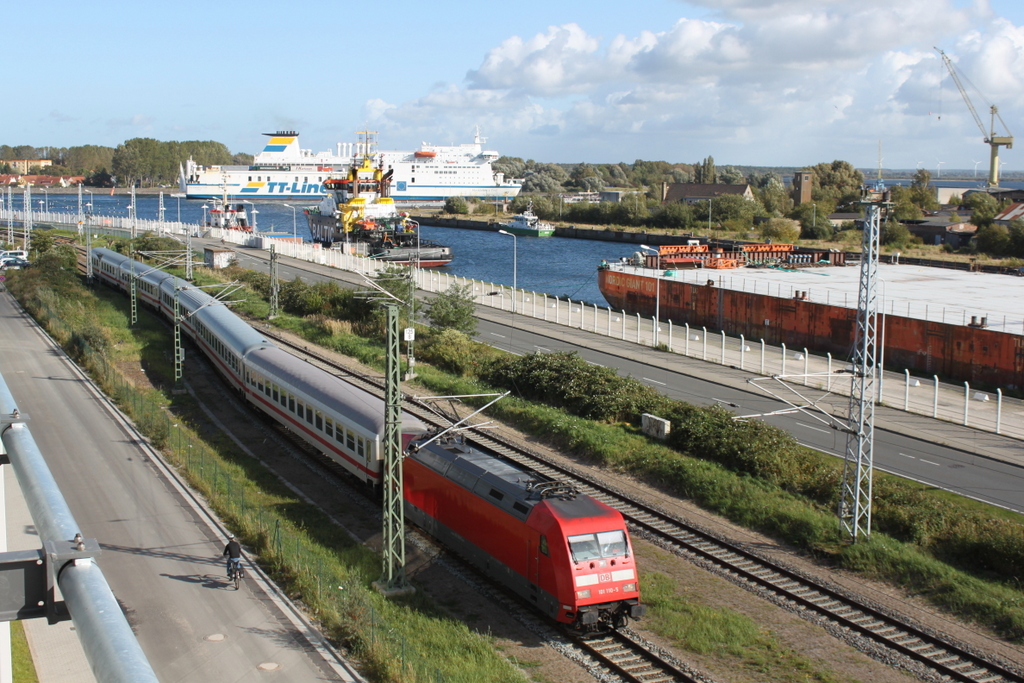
[629, 587]
[582, 595]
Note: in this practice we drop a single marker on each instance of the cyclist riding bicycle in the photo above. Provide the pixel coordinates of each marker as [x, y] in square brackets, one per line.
[233, 551]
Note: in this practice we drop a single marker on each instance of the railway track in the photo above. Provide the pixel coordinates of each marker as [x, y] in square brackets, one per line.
[931, 651]
[633, 660]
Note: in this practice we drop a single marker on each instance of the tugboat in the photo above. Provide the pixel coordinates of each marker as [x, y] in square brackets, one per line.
[228, 216]
[359, 214]
[528, 224]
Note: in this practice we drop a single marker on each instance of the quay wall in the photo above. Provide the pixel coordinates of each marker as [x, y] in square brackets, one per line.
[962, 353]
[585, 233]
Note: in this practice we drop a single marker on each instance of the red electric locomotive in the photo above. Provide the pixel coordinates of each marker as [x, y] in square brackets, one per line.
[566, 553]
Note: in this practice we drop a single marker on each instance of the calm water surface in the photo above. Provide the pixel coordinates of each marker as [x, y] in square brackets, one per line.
[553, 265]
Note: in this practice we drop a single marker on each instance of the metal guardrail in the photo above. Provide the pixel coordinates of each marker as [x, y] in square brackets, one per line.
[65, 561]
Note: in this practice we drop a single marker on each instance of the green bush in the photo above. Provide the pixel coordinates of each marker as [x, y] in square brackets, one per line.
[452, 351]
[565, 380]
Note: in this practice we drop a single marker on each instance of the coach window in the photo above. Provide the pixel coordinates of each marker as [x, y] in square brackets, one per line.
[299, 410]
[275, 392]
[339, 435]
[359, 446]
[259, 382]
[544, 544]
[350, 440]
[330, 426]
[309, 415]
[291, 403]
[319, 421]
[284, 398]
[266, 389]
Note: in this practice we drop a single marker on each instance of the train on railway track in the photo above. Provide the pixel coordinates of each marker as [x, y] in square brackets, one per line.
[567, 554]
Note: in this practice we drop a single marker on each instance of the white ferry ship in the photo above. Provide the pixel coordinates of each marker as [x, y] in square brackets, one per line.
[283, 171]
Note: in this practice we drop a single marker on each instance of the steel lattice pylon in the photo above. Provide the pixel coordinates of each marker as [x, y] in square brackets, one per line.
[275, 285]
[393, 574]
[855, 496]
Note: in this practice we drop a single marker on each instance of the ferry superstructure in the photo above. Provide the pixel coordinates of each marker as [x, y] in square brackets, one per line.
[284, 171]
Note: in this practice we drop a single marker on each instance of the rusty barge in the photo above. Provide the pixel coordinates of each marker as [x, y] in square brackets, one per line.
[964, 327]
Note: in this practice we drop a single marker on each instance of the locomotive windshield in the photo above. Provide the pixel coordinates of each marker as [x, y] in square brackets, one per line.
[596, 546]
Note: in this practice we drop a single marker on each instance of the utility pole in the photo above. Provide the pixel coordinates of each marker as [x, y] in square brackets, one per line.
[179, 352]
[275, 285]
[88, 258]
[393, 579]
[855, 495]
[134, 285]
[27, 209]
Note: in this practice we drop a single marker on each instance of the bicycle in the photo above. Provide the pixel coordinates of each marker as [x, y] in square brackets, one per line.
[235, 572]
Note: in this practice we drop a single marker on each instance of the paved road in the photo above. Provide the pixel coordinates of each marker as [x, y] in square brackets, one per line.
[919, 457]
[161, 556]
[973, 463]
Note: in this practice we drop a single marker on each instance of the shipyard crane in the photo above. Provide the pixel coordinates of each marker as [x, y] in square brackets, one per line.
[991, 139]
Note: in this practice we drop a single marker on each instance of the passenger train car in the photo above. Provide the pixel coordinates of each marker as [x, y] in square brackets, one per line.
[342, 422]
[567, 554]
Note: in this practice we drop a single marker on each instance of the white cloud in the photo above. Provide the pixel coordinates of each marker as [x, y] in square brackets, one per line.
[784, 82]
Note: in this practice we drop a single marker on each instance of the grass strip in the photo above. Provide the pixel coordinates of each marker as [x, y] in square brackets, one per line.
[314, 561]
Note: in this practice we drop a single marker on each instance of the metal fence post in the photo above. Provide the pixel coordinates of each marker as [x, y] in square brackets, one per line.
[686, 346]
[906, 391]
[704, 340]
[935, 398]
[637, 328]
[743, 348]
[999, 410]
[670, 336]
[783, 372]
[721, 333]
[762, 356]
[967, 400]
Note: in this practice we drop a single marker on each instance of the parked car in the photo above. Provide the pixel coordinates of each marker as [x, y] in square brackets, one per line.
[14, 263]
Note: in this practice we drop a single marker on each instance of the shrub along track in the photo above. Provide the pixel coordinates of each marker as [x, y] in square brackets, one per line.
[935, 655]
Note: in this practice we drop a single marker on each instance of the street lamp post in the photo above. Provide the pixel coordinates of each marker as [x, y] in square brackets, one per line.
[295, 230]
[46, 200]
[254, 212]
[657, 296]
[515, 267]
[205, 207]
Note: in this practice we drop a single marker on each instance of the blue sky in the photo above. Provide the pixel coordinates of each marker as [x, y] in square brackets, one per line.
[765, 82]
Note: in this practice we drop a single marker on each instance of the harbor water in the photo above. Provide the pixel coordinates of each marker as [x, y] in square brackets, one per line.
[553, 265]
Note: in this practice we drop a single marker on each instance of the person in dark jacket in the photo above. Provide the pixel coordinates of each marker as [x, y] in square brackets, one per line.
[233, 551]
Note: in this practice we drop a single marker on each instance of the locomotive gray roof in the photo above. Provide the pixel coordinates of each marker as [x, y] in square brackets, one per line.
[363, 408]
[486, 474]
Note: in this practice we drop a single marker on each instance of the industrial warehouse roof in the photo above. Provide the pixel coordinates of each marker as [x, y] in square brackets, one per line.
[936, 294]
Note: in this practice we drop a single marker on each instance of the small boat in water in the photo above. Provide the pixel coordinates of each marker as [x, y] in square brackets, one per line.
[227, 215]
[528, 224]
[359, 215]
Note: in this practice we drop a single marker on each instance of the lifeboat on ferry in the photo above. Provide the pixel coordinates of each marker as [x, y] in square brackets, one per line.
[424, 154]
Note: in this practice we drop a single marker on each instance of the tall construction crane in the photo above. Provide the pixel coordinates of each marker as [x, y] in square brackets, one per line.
[991, 139]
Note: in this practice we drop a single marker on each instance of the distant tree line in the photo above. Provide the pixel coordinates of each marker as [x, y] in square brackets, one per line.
[140, 161]
[836, 187]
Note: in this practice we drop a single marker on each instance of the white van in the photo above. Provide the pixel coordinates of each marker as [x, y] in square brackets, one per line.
[14, 253]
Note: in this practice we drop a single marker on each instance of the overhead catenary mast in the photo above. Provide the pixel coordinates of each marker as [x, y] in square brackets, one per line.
[855, 494]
